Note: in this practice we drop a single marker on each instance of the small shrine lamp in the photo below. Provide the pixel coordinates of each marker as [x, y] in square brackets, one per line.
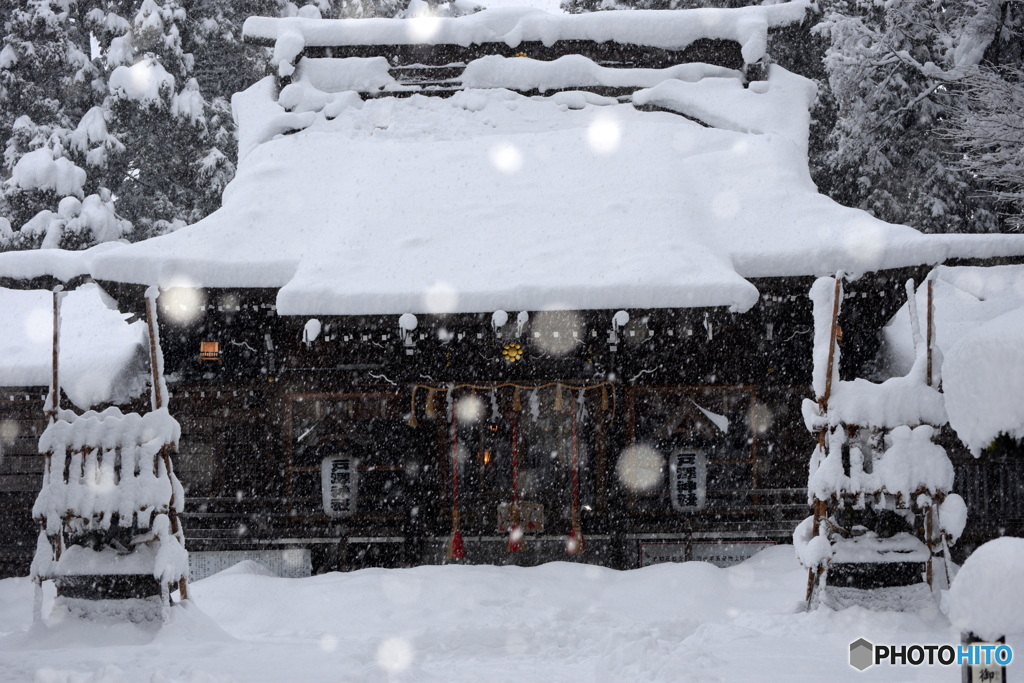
[986, 603]
[209, 351]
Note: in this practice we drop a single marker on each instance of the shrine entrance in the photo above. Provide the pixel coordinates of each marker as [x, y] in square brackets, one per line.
[520, 462]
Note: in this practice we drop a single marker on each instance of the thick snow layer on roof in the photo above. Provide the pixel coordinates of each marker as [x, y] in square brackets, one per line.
[98, 352]
[577, 71]
[979, 335]
[965, 297]
[763, 107]
[667, 29]
[482, 201]
[983, 378]
[493, 200]
[56, 263]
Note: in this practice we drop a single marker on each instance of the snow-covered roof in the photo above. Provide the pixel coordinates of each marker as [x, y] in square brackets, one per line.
[492, 199]
[98, 352]
[979, 330]
[512, 26]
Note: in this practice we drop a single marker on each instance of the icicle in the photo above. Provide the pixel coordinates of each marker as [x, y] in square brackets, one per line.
[535, 404]
[558, 398]
[495, 413]
[517, 404]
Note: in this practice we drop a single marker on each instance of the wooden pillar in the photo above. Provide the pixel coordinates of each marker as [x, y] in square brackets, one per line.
[820, 509]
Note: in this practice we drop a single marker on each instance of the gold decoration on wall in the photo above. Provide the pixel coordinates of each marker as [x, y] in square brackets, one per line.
[512, 352]
[521, 54]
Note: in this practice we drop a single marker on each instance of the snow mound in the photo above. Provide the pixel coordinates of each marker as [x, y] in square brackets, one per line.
[671, 622]
[62, 629]
[985, 596]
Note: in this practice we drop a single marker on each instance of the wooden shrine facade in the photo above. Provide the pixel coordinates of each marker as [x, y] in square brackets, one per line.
[633, 405]
[682, 427]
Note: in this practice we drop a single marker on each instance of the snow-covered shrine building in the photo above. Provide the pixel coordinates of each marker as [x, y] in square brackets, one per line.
[507, 271]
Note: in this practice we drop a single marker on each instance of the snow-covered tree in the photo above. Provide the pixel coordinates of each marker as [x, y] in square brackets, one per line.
[171, 171]
[987, 123]
[891, 70]
[223, 64]
[51, 132]
[105, 100]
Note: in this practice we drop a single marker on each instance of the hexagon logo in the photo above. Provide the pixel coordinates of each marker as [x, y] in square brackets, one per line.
[862, 654]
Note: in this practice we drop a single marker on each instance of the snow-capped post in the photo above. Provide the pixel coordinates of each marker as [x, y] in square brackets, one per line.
[930, 331]
[48, 549]
[160, 400]
[156, 357]
[985, 605]
[52, 405]
[823, 374]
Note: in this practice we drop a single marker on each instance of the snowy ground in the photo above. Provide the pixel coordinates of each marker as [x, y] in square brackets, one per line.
[559, 622]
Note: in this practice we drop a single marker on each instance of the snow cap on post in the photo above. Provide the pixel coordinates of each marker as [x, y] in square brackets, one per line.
[159, 392]
[984, 596]
[826, 314]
